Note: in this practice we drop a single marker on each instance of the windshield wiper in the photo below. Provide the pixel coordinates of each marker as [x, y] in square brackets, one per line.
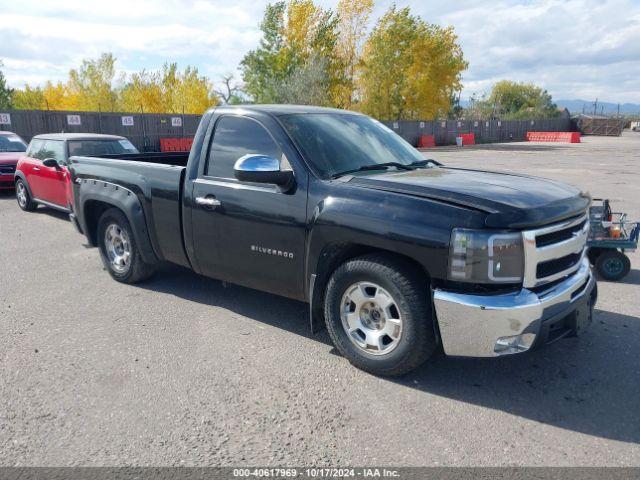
[424, 163]
[375, 166]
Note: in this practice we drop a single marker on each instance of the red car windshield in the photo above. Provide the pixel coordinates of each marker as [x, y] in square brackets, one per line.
[12, 143]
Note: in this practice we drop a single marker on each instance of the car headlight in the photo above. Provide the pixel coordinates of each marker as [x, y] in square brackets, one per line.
[479, 256]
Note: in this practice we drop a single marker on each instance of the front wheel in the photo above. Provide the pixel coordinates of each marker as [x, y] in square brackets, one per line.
[24, 199]
[118, 249]
[612, 265]
[378, 313]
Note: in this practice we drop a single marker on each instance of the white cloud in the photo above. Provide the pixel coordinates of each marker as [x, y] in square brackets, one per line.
[574, 48]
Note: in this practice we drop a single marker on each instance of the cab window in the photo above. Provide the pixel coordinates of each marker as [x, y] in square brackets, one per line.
[235, 137]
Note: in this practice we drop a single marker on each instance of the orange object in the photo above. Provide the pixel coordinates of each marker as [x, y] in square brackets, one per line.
[468, 138]
[615, 231]
[566, 137]
[175, 144]
[426, 141]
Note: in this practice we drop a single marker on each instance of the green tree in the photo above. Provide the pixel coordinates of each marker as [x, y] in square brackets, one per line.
[514, 100]
[29, 98]
[410, 68]
[265, 66]
[92, 84]
[6, 93]
[297, 38]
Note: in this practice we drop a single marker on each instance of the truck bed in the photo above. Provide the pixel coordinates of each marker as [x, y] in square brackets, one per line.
[157, 185]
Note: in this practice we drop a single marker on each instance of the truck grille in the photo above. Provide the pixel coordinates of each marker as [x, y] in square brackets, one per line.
[559, 235]
[551, 267]
[6, 169]
[554, 252]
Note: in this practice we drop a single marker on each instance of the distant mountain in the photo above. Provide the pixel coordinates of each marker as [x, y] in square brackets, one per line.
[576, 107]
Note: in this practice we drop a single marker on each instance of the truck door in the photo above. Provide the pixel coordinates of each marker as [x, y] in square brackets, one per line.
[255, 234]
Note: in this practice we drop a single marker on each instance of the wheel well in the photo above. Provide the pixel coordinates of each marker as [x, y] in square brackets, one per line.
[335, 255]
[93, 210]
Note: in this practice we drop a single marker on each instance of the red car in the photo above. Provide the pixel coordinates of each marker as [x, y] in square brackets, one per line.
[12, 147]
[41, 175]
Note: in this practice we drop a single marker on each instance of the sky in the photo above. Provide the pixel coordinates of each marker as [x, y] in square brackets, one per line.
[575, 48]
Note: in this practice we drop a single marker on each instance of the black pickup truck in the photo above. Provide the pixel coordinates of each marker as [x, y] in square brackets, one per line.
[396, 255]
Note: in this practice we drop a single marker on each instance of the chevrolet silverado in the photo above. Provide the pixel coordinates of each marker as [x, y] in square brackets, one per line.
[398, 256]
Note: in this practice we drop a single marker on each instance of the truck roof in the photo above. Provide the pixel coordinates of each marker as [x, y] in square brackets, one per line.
[77, 136]
[283, 109]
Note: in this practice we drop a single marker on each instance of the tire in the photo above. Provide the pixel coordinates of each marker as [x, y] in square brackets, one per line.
[374, 281]
[118, 249]
[23, 197]
[612, 265]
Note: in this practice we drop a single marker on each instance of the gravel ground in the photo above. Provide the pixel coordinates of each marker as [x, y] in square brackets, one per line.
[182, 370]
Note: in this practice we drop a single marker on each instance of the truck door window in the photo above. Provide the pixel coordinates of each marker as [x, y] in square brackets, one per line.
[235, 137]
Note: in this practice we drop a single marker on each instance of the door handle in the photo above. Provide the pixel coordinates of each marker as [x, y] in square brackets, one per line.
[209, 202]
[37, 169]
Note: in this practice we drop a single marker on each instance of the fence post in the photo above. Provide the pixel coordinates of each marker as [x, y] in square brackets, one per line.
[144, 133]
[46, 117]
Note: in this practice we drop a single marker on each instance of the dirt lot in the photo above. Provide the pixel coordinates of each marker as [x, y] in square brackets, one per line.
[184, 371]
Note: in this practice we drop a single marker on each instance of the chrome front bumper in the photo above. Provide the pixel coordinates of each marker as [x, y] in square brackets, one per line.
[493, 325]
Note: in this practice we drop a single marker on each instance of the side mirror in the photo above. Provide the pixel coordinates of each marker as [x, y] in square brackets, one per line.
[262, 169]
[51, 163]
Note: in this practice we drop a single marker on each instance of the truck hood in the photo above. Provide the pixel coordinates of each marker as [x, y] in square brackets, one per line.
[511, 201]
[10, 158]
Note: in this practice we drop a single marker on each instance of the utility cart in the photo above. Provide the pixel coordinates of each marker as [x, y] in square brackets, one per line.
[610, 236]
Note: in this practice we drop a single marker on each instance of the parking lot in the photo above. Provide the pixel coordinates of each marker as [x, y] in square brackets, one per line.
[183, 370]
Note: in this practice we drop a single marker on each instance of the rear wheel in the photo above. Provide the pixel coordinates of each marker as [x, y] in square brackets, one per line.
[118, 249]
[379, 316]
[24, 199]
[612, 265]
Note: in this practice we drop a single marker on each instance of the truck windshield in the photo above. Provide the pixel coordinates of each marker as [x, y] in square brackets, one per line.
[335, 143]
[95, 148]
[12, 143]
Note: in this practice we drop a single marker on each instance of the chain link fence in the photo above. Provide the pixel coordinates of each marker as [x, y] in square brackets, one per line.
[146, 130]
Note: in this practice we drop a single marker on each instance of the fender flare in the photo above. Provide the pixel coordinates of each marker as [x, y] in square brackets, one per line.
[127, 202]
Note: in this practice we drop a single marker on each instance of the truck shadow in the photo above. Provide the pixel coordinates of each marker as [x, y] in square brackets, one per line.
[589, 385]
[273, 310]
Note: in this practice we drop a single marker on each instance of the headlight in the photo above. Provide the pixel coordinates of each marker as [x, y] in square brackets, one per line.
[479, 256]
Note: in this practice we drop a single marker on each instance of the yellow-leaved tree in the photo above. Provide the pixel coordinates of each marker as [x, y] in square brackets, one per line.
[58, 97]
[409, 68]
[29, 98]
[353, 17]
[167, 91]
[92, 85]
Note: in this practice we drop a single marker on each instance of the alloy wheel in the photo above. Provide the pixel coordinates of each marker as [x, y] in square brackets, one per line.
[371, 318]
[118, 247]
